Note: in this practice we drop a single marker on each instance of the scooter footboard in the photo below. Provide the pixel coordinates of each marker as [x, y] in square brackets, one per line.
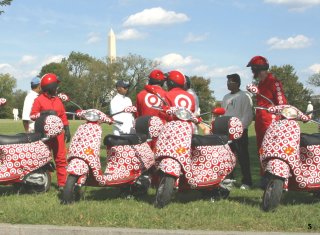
[170, 167]
[278, 168]
[78, 167]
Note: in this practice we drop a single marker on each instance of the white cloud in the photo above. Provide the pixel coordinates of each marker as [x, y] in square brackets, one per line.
[93, 38]
[196, 38]
[52, 59]
[22, 71]
[155, 16]
[295, 5]
[315, 68]
[5, 67]
[27, 59]
[222, 71]
[299, 41]
[130, 34]
[176, 61]
[15, 71]
[193, 67]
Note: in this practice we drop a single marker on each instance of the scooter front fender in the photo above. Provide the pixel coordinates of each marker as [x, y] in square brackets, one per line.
[278, 168]
[78, 167]
[170, 166]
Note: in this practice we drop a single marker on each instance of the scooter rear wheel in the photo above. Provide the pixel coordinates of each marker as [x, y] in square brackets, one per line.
[164, 191]
[272, 194]
[71, 192]
[33, 188]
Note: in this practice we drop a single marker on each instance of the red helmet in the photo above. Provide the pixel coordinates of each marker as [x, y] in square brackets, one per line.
[258, 63]
[176, 78]
[49, 83]
[49, 78]
[157, 75]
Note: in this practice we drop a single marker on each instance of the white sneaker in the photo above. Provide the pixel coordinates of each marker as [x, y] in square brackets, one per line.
[245, 187]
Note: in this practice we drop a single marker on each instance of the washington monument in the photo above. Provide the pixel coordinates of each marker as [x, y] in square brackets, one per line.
[112, 55]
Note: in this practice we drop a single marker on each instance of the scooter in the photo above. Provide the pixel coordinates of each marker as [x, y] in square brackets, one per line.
[290, 159]
[129, 157]
[25, 159]
[186, 161]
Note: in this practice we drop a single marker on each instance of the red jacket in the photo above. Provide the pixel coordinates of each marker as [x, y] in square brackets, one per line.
[146, 100]
[43, 102]
[270, 87]
[179, 97]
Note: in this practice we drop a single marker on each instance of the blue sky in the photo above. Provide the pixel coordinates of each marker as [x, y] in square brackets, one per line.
[210, 38]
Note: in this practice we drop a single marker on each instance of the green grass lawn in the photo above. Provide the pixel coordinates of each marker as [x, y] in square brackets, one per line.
[103, 207]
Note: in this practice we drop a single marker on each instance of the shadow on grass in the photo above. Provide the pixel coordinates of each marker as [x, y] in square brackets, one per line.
[112, 193]
[288, 199]
[298, 198]
[108, 193]
[8, 190]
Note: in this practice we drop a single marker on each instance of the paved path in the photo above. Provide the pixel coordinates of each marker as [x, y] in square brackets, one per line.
[22, 229]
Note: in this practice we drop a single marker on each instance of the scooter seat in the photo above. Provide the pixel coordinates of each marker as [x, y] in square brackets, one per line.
[126, 139]
[205, 140]
[309, 139]
[22, 138]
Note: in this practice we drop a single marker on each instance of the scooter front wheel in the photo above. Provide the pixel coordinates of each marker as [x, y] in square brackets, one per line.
[164, 191]
[272, 194]
[71, 192]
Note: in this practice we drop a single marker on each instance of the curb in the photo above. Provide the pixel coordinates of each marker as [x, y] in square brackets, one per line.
[24, 229]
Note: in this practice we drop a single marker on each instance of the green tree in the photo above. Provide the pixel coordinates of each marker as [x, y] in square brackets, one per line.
[315, 81]
[4, 3]
[7, 84]
[297, 95]
[89, 76]
[90, 82]
[19, 96]
[206, 96]
[135, 69]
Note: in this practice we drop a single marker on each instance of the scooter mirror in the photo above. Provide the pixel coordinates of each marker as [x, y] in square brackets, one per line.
[252, 89]
[63, 97]
[150, 89]
[3, 101]
[218, 111]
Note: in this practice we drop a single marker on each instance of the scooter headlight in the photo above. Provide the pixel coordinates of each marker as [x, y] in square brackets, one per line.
[183, 114]
[92, 116]
[289, 113]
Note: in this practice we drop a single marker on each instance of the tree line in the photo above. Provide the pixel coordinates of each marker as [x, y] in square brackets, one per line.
[90, 82]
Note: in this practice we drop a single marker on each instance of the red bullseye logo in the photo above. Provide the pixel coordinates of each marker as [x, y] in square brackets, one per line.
[183, 101]
[152, 100]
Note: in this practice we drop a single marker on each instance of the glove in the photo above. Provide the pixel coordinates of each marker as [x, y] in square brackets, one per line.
[196, 120]
[199, 120]
[67, 135]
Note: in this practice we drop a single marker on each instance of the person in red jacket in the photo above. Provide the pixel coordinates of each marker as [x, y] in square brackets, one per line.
[177, 95]
[270, 87]
[49, 101]
[146, 100]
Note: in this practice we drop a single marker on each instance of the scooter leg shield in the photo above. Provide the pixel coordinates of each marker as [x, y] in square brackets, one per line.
[77, 167]
[170, 167]
[278, 168]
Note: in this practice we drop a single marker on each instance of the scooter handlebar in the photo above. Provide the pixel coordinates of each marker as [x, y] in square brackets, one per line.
[287, 112]
[129, 109]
